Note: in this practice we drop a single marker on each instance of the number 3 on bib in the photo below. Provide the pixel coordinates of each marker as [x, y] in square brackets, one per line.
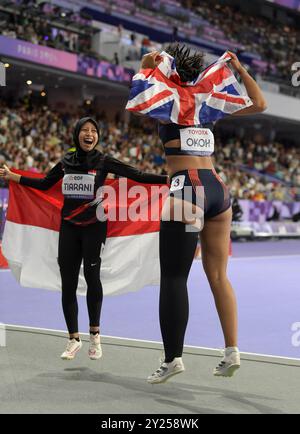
[177, 183]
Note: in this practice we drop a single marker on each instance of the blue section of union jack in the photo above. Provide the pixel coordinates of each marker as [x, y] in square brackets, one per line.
[160, 94]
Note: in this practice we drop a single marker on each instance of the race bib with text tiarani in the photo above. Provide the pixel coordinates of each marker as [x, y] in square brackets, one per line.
[198, 140]
[77, 186]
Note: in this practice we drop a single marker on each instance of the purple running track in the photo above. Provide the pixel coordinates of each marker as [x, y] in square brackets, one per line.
[266, 285]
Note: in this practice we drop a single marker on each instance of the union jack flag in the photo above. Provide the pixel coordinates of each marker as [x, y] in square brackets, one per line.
[160, 94]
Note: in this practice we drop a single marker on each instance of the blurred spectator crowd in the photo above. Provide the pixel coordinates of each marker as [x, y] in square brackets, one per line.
[48, 25]
[35, 140]
[277, 44]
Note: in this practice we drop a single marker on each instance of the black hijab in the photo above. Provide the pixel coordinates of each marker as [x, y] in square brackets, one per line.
[80, 159]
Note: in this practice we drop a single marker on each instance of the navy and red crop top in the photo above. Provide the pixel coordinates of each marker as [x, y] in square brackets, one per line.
[171, 131]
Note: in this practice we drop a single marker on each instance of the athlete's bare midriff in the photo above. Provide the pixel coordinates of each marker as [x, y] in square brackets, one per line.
[176, 163]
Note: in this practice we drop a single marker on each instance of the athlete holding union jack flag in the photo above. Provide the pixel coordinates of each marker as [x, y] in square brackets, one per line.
[173, 87]
[161, 94]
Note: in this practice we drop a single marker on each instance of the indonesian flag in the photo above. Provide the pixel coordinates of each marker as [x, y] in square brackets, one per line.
[130, 259]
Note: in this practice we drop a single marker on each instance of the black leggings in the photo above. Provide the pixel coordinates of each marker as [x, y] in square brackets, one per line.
[176, 249]
[77, 243]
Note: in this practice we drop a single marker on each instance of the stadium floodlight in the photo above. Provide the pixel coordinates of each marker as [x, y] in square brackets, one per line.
[29, 82]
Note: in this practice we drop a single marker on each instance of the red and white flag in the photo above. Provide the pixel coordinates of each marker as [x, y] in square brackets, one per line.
[130, 259]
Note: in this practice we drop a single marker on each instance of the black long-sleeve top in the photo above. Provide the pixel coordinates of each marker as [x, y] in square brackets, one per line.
[79, 207]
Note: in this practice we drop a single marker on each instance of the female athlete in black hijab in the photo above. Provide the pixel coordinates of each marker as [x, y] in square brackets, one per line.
[82, 235]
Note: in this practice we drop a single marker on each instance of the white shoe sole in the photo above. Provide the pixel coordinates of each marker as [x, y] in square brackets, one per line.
[70, 357]
[67, 357]
[229, 372]
[165, 378]
[95, 356]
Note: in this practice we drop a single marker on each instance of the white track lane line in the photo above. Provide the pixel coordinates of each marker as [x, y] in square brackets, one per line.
[254, 355]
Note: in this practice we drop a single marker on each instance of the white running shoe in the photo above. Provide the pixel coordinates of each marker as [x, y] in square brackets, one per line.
[95, 350]
[73, 347]
[166, 371]
[229, 364]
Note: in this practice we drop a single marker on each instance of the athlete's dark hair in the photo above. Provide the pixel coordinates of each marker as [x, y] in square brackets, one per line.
[188, 66]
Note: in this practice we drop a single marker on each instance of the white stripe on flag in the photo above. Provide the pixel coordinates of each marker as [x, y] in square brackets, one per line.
[128, 263]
